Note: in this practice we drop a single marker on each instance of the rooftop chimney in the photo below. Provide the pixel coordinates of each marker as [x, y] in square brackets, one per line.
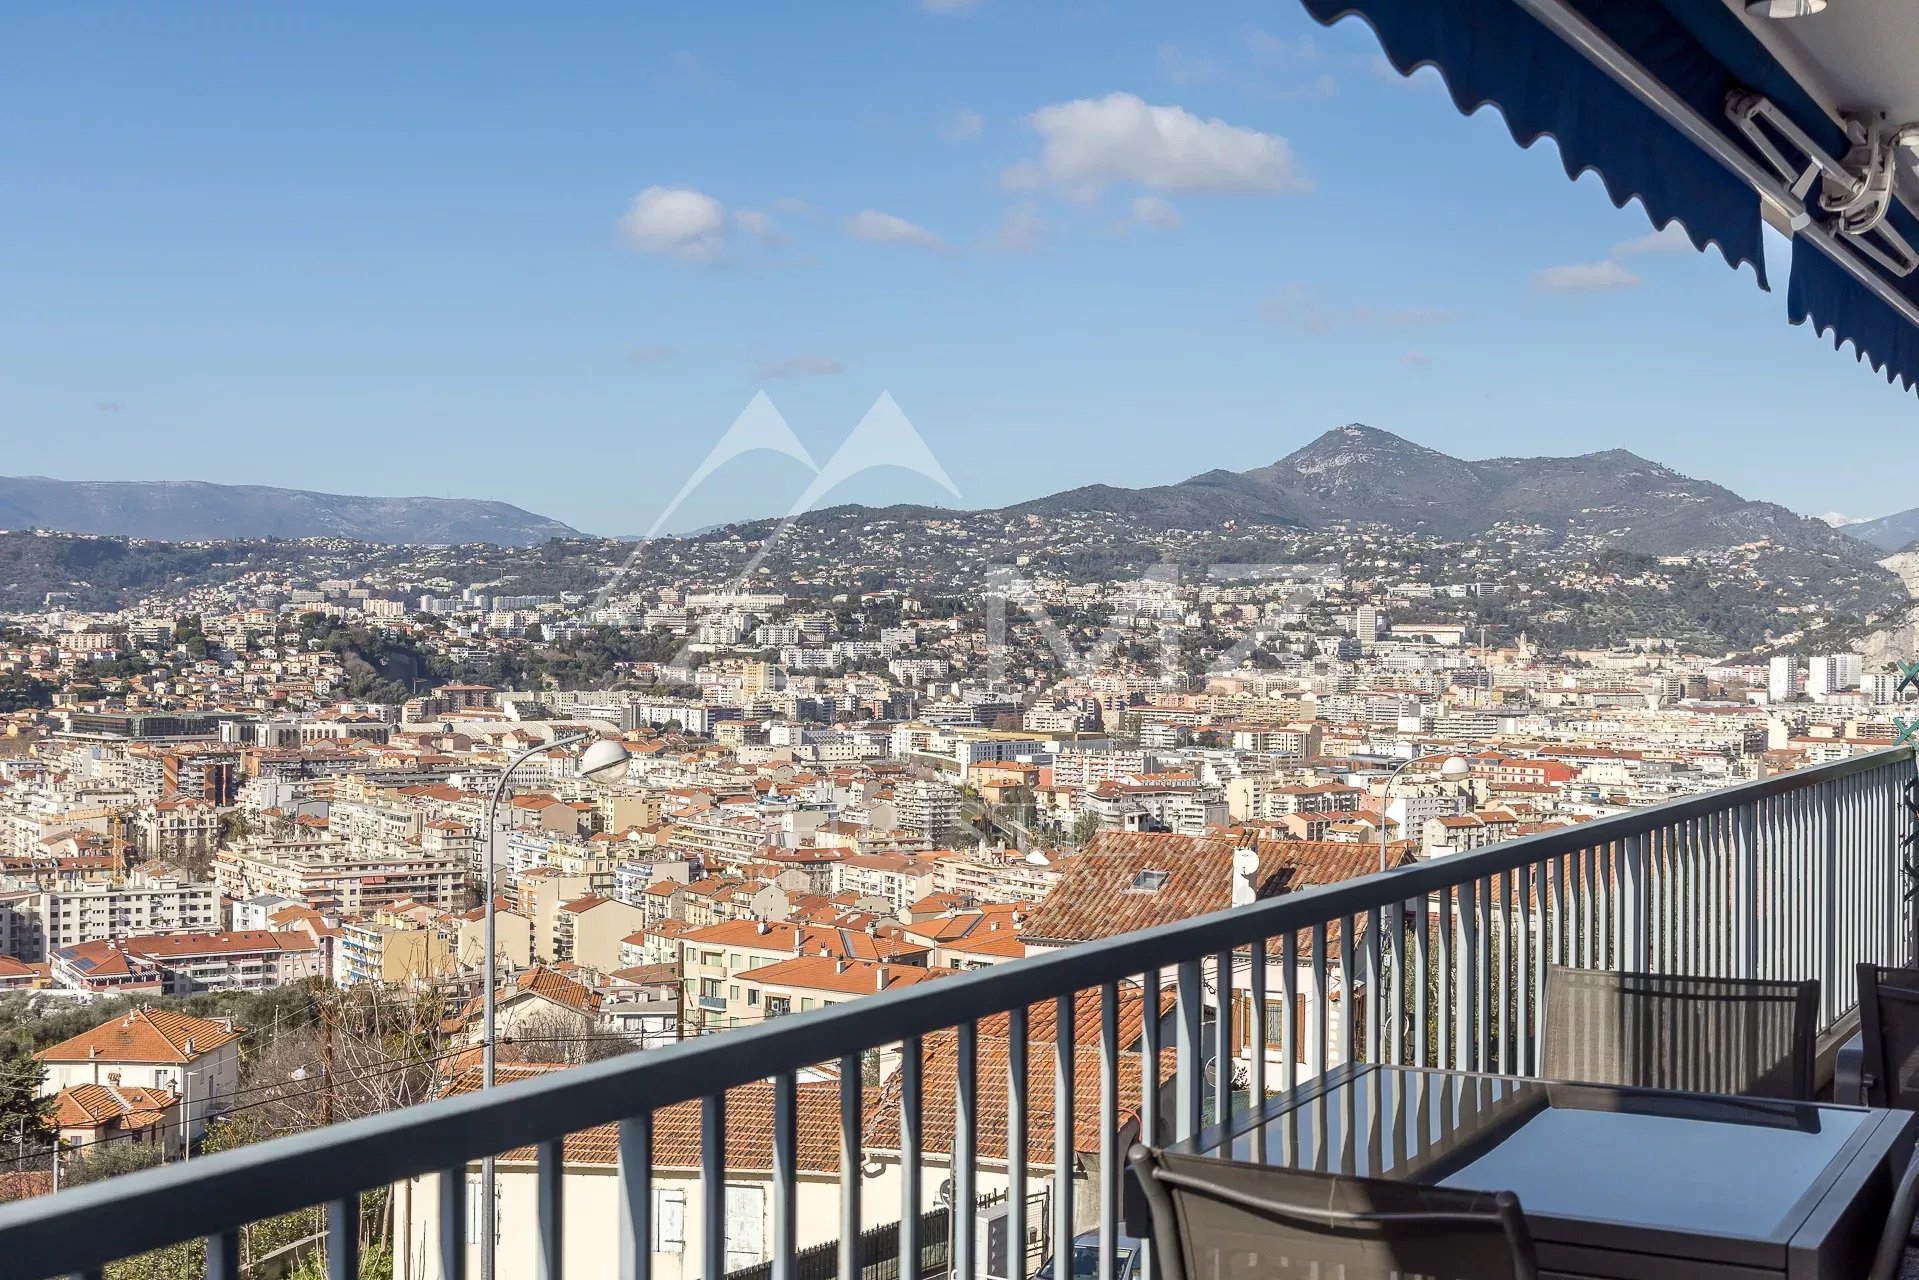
[839, 966]
[880, 979]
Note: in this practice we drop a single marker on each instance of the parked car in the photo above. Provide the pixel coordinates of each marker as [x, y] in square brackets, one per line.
[1126, 1255]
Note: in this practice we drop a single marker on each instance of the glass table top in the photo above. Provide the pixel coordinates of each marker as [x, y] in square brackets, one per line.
[1726, 1167]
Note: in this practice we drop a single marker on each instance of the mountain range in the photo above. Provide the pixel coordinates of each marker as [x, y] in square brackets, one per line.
[1896, 532]
[1361, 473]
[1350, 473]
[193, 511]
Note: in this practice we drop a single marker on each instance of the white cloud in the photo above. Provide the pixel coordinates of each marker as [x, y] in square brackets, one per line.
[1585, 277]
[1668, 239]
[1023, 231]
[1839, 521]
[650, 355]
[1091, 142]
[799, 367]
[963, 125]
[1297, 307]
[759, 225]
[1155, 213]
[688, 224]
[1418, 360]
[1272, 48]
[875, 227]
[1182, 67]
[1319, 87]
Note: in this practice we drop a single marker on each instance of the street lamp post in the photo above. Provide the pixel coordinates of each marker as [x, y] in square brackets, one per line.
[604, 761]
[1454, 768]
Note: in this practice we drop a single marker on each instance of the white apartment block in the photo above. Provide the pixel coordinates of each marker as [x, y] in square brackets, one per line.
[143, 905]
[342, 877]
[929, 810]
[1782, 678]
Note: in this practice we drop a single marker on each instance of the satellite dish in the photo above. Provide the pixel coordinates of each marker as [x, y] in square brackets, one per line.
[1246, 861]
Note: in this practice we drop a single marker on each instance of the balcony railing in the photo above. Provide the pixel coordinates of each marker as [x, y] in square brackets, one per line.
[1440, 963]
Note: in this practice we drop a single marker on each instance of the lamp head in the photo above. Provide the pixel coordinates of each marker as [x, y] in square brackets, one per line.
[605, 760]
[1784, 8]
[1454, 768]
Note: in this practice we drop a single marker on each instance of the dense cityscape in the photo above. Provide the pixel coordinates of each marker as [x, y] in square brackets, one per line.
[245, 818]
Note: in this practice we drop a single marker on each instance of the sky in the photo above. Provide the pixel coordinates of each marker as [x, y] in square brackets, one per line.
[549, 256]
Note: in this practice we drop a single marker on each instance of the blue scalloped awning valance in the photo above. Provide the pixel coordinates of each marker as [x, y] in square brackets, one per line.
[1495, 52]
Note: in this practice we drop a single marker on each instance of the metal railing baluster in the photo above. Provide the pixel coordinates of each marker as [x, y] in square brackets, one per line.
[550, 1175]
[1065, 1059]
[1256, 1033]
[635, 1142]
[1466, 1015]
[713, 1184]
[965, 1173]
[343, 1239]
[1109, 1153]
[1017, 1151]
[1225, 1051]
[786, 1173]
[912, 1201]
[1188, 1052]
[223, 1255]
[1289, 1021]
[1445, 1000]
[1502, 961]
[1317, 1046]
[453, 1211]
[852, 1151]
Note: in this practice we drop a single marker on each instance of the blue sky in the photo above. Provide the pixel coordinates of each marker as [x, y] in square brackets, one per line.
[548, 256]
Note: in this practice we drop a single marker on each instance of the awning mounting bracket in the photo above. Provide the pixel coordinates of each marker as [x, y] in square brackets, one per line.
[1855, 192]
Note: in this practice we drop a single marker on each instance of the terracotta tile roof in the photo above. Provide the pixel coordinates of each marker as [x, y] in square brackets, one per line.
[144, 1035]
[843, 977]
[174, 946]
[676, 1129]
[939, 1099]
[1125, 881]
[559, 988]
[88, 1106]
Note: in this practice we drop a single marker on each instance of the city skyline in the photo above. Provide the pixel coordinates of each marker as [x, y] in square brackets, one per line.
[1078, 247]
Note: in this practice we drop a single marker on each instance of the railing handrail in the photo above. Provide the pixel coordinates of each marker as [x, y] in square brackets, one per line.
[77, 1230]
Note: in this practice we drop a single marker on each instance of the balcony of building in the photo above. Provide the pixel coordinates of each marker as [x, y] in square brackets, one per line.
[941, 1121]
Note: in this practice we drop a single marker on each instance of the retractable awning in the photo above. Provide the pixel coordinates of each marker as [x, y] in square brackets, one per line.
[1720, 118]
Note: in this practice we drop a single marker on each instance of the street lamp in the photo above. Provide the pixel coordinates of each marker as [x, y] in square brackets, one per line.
[1454, 768]
[605, 761]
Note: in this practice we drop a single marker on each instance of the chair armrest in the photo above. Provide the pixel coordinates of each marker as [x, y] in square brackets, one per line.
[1850, 1082]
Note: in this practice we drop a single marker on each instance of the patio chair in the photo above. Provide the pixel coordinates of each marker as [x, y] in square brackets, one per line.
[1896, 1240]
[1747, 1036]
[1889, 1036]
[1216, 1219]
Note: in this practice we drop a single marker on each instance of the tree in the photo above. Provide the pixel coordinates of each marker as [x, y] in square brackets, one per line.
[1085, 827]
[25, 1116]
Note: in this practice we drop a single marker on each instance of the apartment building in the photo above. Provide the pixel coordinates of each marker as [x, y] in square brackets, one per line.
[177, 828]
[814, 982]
[928, 810]
[239, 960]
[339, 877]
[145, 903]
[896, 879]
[391, 953]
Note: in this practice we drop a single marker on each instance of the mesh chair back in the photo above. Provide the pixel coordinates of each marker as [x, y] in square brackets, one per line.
[1224, 1220]
[1746, 1036]
[1889, 1035]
